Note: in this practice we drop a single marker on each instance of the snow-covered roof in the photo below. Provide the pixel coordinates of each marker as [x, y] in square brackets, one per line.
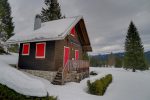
[52, 30]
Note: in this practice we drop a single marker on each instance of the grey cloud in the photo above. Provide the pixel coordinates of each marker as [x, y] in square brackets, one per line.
[106, 20]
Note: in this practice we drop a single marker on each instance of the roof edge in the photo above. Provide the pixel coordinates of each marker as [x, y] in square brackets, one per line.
[78, 18]
[62, 36]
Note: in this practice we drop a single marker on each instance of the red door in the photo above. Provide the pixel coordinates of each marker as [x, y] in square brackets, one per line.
[66, 55]
[76, 54]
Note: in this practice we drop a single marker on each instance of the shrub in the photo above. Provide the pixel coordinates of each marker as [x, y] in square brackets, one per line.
[9, 94]
[93, 73]
[2, 51]
[99, 86]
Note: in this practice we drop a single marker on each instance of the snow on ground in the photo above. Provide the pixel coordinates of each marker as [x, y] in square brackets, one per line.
[126, 85]
[19, 81]
[9, 59]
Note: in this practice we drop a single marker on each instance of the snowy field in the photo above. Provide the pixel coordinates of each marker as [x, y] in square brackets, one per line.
[126, 85]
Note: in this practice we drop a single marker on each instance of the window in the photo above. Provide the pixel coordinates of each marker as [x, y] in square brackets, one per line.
[73, 31]
[26, 49]
[40, 50]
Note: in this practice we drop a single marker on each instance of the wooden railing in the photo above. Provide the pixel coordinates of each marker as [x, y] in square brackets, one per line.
[78, 65]
[75, 65]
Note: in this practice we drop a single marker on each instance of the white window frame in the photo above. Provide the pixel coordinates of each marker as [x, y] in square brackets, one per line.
[44, 50]
[23, 49]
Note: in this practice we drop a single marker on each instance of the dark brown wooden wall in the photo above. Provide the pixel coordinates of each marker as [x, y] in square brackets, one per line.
[54, 53]
[32, 63]
[74, 47]
[59, 53]
[59, 49]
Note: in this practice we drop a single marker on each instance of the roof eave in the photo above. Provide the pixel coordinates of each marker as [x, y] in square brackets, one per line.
[61, 37]
[34, 40]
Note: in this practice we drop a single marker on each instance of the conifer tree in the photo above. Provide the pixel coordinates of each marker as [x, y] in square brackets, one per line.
[134, 50]
[51, 12]
[6, 24]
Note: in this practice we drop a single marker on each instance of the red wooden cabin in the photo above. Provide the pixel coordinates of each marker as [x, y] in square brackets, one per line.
[57, 46]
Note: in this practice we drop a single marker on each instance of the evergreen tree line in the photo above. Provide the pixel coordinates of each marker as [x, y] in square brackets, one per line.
[6, 25]
[147, 56]
[110, 60]
[133, 58]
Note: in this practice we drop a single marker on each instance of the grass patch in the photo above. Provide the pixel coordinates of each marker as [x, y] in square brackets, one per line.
[99, 86]
[9, 94]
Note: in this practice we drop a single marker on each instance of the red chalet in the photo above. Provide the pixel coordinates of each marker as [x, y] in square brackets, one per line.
[55, 50]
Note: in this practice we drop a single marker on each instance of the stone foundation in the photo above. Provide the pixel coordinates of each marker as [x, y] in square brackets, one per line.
[49, 75]
[76, 77]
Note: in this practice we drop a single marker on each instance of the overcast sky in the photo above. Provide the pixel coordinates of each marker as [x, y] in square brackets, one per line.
[107, 21]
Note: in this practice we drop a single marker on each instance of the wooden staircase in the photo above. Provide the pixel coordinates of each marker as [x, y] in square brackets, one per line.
[72, 65]
[58, 80]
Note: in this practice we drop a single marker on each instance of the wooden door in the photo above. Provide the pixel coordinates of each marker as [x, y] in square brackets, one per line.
[76, 54]
[66, 55]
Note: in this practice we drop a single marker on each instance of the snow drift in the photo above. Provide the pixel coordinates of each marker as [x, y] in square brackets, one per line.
[20, 82]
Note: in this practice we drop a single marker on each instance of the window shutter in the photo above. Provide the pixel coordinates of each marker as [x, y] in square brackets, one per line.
[26, 49]
[73, 31]
[40, 50]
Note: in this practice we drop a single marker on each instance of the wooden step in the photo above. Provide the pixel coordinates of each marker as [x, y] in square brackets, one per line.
[56, 83]
[59, 72]
[58, 75]
[58, 78]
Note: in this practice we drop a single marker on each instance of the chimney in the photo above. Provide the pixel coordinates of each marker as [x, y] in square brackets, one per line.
[37, 23]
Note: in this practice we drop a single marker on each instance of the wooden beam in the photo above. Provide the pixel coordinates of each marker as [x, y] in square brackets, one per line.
[87, 48]
[84, 32]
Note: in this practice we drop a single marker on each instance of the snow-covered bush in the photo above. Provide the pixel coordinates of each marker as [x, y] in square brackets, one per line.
[2, 51]
[99, 87]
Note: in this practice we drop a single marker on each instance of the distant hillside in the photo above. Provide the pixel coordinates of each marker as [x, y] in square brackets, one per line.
[104, 57]
[147, 56]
